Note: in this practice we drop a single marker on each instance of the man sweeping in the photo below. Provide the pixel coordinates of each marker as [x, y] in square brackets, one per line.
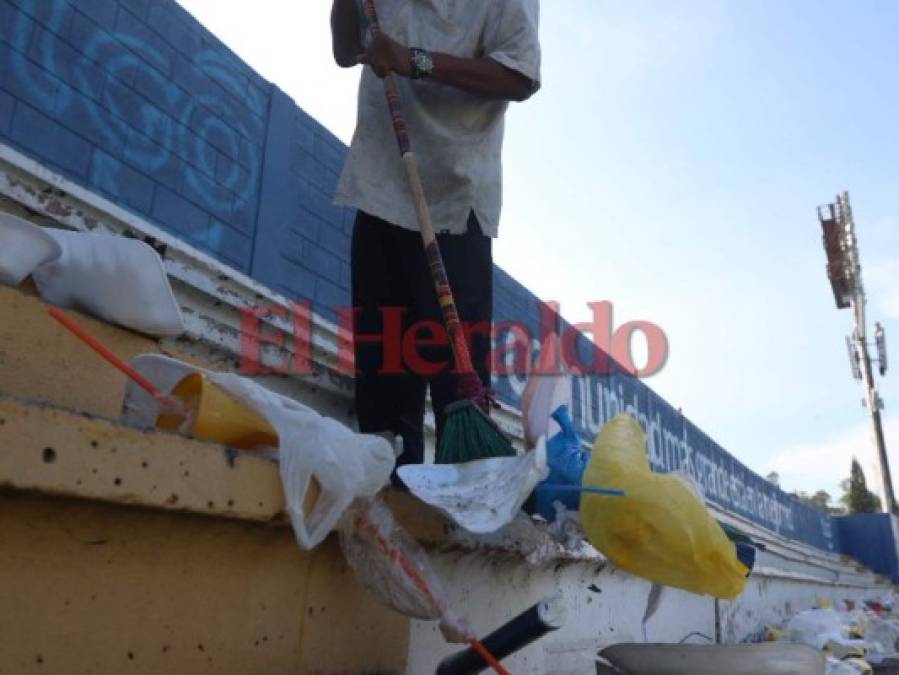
[458, 64]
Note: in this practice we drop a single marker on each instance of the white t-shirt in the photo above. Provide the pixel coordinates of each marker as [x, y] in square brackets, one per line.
[456, 137]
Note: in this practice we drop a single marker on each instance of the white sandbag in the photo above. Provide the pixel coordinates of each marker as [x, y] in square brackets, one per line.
[114, 278]
[480, 496]
[24, 247]
[346, 464]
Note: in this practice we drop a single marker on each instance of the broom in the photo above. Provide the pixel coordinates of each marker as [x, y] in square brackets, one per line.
[468, 433]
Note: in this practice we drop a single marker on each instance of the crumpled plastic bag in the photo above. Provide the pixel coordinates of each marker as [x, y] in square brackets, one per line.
[837, 667]
[565, 527]
[881, 636]
[114, 278]
[820, 627]
[393, 567]
[346, 465]
[658, 530]
[480, 496]
[566, 461]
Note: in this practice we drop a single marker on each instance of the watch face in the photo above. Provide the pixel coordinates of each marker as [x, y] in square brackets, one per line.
[423, 62]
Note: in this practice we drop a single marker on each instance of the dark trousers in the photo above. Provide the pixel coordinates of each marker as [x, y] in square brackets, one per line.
[389, 270]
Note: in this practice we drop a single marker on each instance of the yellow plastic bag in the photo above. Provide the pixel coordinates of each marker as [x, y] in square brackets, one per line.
[658, 530]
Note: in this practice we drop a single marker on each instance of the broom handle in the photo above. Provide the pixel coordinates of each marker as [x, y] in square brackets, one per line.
[429, 239]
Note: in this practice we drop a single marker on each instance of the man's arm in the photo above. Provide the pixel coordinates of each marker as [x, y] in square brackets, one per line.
[482, 77]
[345, 33]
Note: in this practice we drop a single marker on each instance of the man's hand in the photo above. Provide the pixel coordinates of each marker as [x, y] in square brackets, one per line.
[386, 55]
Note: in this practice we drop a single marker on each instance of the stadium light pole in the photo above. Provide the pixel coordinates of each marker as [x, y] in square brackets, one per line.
[844, 271]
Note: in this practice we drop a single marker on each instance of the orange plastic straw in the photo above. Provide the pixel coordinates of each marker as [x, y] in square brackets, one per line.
[94, 344]
[396, 555]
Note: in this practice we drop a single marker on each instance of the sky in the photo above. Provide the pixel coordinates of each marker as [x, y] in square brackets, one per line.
[672, 163]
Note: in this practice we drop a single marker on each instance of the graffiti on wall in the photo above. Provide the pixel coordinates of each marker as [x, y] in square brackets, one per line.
[138, 108]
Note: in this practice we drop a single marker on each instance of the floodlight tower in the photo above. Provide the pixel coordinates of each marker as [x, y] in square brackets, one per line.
[844, 271]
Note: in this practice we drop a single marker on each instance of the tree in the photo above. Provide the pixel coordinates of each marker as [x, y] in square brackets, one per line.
[773, 478]
[820, 500]
[857, 498]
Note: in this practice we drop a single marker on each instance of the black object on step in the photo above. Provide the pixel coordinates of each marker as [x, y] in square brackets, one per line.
[532, 624]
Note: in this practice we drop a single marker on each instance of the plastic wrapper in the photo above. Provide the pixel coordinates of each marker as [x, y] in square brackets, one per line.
[392, 566]
[566, 461]
[324, 465]
[480, 496]
[819, 628]
[837, 667]
[659, 529]
[565, 528]
[881, 636]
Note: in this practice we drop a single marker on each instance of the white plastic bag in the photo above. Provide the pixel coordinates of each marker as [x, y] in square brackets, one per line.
[881, 636]
[837, 667]
[480, 496]
[24, 247]
[346, 464]
[565, 528]
[114, 278]
[818, 627]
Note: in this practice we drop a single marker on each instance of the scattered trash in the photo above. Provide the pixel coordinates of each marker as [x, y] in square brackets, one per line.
[315, 452]
[567, 462]
[860, 665]
[836, 667]
[114, 278]
[194, 407]
[24, 247]
[854, 641]
[480, 496]
[324, 465]
[565, 528]
[819, 628]
[214, 415]
[659, 530]
[391, 565]
[169, 404]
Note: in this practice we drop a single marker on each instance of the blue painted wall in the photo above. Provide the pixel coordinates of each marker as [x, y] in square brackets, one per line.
[868, 538]
[137, 101]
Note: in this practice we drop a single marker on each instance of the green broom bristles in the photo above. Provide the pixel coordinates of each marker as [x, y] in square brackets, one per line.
[470, 434]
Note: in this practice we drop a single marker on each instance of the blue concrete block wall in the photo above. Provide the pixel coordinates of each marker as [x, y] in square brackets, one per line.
[868, 537]
[135, 100]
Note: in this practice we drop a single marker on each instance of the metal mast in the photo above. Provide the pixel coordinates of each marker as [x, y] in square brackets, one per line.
[844, 271]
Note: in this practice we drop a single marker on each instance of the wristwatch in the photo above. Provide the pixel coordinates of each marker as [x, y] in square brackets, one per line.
[422, 64]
